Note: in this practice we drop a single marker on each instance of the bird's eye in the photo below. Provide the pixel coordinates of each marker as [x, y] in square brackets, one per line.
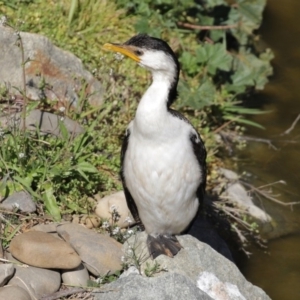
[138, 52]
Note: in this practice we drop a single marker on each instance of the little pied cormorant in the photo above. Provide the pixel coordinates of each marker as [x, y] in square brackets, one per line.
[163, 167]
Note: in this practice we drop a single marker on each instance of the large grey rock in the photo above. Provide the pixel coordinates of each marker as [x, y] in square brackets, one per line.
[42, 250]
[60, 70]
[169, 286]
[19, 200]
[37, 282]
[218, 290]
[201, 264]
[99, 253]
[46, 122]
[11, 292]
[6, 272]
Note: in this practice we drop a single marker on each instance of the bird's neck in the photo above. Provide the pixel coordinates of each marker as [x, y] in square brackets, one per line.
[152, 110]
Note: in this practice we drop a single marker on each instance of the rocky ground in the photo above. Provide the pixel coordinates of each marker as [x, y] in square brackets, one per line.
[51, 260]
[39, 263]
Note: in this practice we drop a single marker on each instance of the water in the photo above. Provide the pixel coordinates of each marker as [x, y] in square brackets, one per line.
[277, 269]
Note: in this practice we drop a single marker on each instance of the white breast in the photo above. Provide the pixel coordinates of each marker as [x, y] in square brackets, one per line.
[162, 175]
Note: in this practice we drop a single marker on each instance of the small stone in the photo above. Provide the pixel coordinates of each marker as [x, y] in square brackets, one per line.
[229, 174]
[11, 292]
[117, 200]
[6, 272]
[42, 250]
[19, 200]
[50, 123]
[76, 277]
[236, 193]
[91, 221]
[36, 281]
[99, 253]
[76, 219]
[49, 228]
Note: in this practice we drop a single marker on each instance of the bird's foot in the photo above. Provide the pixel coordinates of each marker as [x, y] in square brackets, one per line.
[163, 244]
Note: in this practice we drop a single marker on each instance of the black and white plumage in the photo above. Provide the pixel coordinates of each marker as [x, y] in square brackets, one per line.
[163, 167]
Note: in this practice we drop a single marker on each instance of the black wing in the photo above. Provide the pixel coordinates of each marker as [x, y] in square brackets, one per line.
[130, 201]
[199, 151]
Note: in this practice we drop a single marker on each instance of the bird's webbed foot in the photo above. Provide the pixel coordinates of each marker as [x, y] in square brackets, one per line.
[163, 244]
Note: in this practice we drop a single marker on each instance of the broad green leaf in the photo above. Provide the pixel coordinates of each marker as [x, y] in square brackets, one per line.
[215, 56]
[189, 62]
[201, 54]
[197, 98]
[26, 182]
[50, 202]
[218, 58]
[248, 14]
[82, 174]
[86, 167]
[206, 93]
[251, 70]
[142, 26]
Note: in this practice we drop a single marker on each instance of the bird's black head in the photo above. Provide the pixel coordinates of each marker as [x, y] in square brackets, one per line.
[149, 43]
[153, 54]
[143, 43]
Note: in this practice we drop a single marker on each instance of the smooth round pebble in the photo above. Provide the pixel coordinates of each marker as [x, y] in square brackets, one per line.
[36, 281]
[12, 292]
[117, 201]
[20, 200]
[100, 253]
[40, 249]
[49, 228]
[76, 277]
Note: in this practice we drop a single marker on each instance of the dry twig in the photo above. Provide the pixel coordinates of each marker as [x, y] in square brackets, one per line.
[268, 194]
[207, 27]
[288, 131]
[231, 135]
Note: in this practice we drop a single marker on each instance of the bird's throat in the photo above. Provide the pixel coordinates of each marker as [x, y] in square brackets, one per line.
[152, 112]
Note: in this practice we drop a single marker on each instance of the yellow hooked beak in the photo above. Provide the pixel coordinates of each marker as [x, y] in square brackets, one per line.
[123, 49]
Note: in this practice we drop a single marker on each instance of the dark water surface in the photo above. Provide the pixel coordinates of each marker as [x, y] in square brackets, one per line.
[277, 269]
